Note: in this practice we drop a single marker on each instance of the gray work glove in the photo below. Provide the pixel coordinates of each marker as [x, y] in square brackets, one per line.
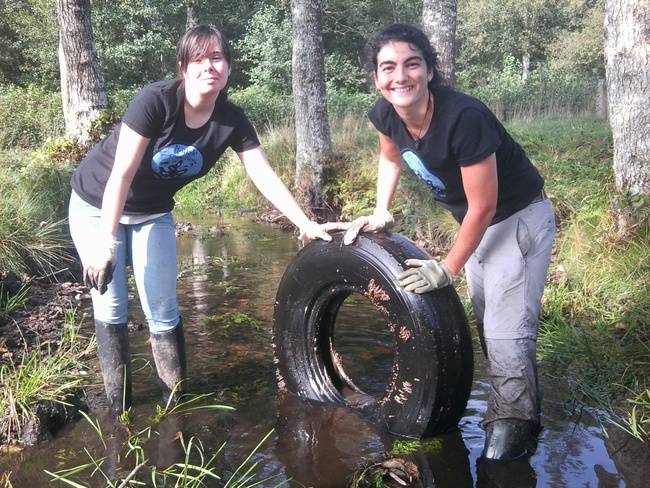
[381, 219]
[424, 275]
[99, 271]
[314, 230]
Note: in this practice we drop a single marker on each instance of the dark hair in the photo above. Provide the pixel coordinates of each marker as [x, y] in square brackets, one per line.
[196, 42]
[403, 33]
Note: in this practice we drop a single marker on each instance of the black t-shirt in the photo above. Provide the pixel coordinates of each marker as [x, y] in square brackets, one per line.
[463, 131]
[176, 154]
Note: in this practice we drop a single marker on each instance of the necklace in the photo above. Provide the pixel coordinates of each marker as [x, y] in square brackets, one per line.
[417, 141]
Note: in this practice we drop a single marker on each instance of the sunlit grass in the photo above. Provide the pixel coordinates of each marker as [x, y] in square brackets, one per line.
[31, 247]
[33, 238]
[595, 329]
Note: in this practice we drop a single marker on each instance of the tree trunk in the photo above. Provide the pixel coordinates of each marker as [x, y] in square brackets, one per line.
[192, 19]
[82, 85]
[627, 53]
[525, 63]
[439, 24]
[313, 143]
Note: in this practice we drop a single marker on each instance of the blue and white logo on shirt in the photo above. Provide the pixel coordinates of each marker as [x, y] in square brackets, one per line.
[177, 161]
[435, 184]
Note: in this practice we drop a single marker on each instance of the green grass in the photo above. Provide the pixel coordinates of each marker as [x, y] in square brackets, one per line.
[33, 231]
[49, 374]
[404, 448]
[594, 328]
[10, 302]
[196, 465]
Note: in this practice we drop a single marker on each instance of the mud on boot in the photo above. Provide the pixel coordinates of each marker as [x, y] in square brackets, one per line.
[169, 355]
[115, 363]
[509, 439]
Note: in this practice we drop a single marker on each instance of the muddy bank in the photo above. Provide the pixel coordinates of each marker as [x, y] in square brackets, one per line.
[38, 324]
[37, 327]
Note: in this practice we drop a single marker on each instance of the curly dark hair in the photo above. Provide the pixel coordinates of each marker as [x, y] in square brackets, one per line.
[403, 33]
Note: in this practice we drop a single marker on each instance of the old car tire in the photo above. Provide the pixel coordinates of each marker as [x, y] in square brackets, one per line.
[433, 363]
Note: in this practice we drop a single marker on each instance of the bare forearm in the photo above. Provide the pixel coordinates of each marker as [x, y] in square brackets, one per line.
[272, 187]
[388, 173]
[469, 237]
[113, 202]
[128, 154]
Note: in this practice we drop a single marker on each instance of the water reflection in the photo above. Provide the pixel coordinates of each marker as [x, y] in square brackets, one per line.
[322, 445]
[238, 273]
[362, 342]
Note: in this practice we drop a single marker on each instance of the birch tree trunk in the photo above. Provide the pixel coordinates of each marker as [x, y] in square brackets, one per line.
[82, 85]
[313, 143]
[627, 53]
[439, 24]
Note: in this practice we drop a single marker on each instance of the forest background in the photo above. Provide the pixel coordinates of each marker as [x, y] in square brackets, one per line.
[539, 65]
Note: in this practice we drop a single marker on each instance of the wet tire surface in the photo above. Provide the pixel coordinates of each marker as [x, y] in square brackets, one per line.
[432, 367]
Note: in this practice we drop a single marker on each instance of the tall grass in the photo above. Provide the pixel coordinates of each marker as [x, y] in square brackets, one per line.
[33, 234]
[594, 328]
[51, 374]
[29, 245]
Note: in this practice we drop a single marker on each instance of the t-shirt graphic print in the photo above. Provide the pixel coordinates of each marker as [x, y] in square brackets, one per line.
[435, 184]
[177, 161]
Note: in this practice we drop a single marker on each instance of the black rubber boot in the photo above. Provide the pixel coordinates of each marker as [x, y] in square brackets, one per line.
[115, 363]
[519, 474]
[509, 439]
[169, 355]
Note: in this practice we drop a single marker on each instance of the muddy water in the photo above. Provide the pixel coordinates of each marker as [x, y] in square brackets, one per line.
[227, 285]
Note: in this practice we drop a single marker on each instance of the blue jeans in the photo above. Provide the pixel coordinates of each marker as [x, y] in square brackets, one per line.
[150, 248]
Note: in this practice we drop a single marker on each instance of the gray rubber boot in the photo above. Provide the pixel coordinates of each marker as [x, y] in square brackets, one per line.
[169, 355]
[115, 363]
[512, 420]
[509, 439]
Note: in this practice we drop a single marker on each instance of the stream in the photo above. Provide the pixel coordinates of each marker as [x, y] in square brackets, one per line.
[228, 276]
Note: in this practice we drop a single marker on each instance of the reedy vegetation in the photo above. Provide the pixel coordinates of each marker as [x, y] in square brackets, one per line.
[193, 466]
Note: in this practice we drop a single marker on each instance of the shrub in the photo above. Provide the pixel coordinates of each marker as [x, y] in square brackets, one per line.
[262, 106]
[29, 116]
[265, 108]
[544, 94]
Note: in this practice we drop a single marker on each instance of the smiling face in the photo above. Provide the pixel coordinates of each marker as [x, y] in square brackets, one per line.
[402, 75]
[207, 72]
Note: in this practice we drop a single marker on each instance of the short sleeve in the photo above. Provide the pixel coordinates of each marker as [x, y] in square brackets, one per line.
[475, 136]
[244, 137]
[379, 117]
[146, 112]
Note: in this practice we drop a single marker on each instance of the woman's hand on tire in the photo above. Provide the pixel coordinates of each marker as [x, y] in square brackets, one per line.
[314, 230]
[424, 275]
[381, 219]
